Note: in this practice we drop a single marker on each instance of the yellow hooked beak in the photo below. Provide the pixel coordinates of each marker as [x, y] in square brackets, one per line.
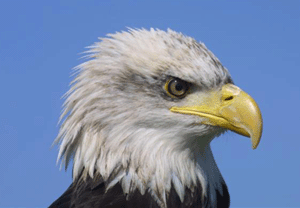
[231, 108]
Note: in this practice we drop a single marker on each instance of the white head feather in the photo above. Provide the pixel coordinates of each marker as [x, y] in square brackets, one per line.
[117, 118]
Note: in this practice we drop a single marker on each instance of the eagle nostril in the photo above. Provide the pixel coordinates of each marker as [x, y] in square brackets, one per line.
[228, 98]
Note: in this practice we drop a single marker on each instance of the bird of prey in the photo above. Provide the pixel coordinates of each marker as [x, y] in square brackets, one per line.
[139, 118]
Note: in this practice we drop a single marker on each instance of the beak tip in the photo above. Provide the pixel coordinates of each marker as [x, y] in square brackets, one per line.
[255, 142]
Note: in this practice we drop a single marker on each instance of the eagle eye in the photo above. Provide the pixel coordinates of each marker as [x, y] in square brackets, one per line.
[176, 87]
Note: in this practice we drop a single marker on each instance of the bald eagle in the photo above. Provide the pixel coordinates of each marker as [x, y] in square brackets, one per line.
[138, 122]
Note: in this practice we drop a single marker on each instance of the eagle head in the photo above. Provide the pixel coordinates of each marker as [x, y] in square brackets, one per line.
[142, 111]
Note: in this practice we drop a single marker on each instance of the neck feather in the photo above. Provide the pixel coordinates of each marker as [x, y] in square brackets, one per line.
[143, 161]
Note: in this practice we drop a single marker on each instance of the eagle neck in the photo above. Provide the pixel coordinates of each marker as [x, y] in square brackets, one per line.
[164, 166]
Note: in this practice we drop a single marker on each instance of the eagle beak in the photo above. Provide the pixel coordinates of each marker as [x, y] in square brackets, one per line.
[231, 108]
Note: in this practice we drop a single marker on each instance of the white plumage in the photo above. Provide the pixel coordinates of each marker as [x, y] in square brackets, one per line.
[118, 123]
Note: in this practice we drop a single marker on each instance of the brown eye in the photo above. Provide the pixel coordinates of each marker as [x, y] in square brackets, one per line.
[177, 87]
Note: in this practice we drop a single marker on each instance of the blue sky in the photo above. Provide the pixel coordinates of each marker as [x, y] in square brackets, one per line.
[41, 41]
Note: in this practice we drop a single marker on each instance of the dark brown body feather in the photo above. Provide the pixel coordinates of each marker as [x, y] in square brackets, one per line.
[91, 194]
